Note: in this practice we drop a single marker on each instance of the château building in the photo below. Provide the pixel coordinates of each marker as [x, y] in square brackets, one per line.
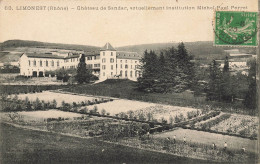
[108, 63]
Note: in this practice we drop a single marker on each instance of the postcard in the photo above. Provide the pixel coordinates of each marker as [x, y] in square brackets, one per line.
[129, 81]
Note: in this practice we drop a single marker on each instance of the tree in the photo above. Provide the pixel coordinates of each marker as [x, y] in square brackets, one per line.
[227, 91]
[54, 104]
[149, 71]
[251, 95]
[103, 112]
[183, 62]
[83, 74]
[214, 85]
[131, 114]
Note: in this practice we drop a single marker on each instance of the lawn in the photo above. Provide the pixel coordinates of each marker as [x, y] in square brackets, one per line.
[26, 146]
[195, 136]
[127, 89]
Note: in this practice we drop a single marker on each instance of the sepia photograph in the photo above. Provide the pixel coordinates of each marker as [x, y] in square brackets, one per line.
[129, 81]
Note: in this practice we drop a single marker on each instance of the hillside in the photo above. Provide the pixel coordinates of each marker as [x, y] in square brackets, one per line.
[11, 50]
[25, 43]
[200, 49]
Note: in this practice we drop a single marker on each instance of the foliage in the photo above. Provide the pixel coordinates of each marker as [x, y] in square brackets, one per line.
[173, 71]
[83, 74]
[251, 95]
[214, 89]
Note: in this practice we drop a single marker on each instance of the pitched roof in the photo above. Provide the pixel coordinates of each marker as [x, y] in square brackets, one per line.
[50, 56]
[108, 47]
[42, 55]
[128, 55]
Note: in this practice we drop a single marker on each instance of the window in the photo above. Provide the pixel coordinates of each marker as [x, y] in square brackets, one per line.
[34, 62]
[126, 61]
[126, 66]
[111, 67]
[103, 60]
[135, 61]
[29, 63]
[135, 73]
[131, 67]
[40, 63]
[58, 63]
[89, 58]
[121, 66]
[111, 53]
[131, 74]
[96, 65]
[47, 63]
[125, 73]
[103, 67]
[120, 61]
[52, 63]
[111, 60]
[71, 59]
[121, 72]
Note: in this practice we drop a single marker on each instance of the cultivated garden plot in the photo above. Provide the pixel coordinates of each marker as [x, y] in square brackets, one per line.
[243, 125]
[169, 113]
[121, 105]
[238, 124]
[49, 114]
[59, 97]
[195, 136]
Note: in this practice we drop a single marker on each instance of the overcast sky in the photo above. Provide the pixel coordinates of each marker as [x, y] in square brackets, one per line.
[117, 27]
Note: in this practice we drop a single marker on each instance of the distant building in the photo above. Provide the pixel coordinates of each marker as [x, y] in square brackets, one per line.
[108, 63]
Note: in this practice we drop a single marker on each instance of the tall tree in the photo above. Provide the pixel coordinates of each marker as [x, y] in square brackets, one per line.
[251, 95]
[149, 71]
[214, 85]
[227, 91]
[183, 59]
[83, 74]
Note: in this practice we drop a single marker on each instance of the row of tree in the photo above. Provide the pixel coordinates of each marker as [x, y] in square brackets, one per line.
[222, 87]
[172, 71]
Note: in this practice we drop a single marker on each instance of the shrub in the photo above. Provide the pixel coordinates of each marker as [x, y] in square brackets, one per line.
[54, 104]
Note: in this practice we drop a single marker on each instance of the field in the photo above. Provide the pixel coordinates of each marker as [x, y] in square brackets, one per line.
[127, 89]
[59, 97]
[26, 146]
[44, 115]
[167, 112]
[243, 125]
[238, 124]
[236, 143]
[121, 105]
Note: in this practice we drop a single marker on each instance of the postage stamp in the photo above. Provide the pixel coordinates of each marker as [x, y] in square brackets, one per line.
[236, 28]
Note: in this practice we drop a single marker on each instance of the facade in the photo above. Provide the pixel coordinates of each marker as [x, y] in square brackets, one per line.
[108, 63]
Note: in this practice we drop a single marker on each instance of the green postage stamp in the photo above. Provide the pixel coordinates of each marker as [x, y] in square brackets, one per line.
[236, 28]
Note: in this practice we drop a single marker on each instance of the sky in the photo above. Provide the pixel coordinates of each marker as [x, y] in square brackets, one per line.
[120, 28]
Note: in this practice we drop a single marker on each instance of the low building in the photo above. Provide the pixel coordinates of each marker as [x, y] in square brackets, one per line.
[108, 63]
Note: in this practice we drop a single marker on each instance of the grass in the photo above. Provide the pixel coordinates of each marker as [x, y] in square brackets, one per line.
[26, 146]
[127, 89]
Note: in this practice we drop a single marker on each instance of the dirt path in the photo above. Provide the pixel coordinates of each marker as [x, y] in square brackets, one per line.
[208, 138]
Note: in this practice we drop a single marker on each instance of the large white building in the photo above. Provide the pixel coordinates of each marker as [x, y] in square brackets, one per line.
[108, 63]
